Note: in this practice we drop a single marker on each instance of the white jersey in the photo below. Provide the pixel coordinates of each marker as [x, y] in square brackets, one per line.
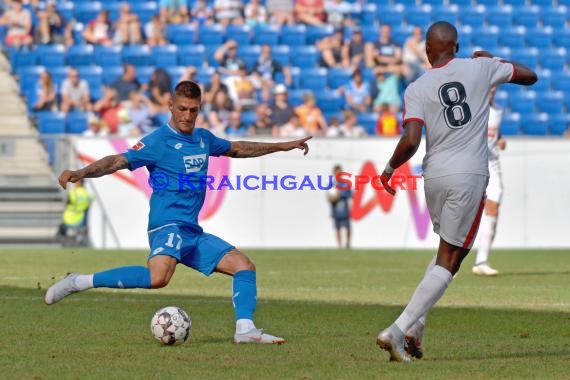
[495, 117]
[452, 101]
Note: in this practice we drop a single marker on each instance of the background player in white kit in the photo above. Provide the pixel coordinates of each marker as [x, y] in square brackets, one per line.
[452, 101]
[494, 190]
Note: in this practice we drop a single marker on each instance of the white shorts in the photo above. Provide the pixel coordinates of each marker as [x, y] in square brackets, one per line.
[495, 186]
[455, 204]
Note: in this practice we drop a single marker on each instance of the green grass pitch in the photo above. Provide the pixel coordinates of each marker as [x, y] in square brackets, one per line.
[328, 304]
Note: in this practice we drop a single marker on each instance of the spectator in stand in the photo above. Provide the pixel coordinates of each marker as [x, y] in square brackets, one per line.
[219, 115]
[281, 111]
[331, 49]
[228, 12]
[383, 52]
[98, 31]
[293, 128]
[350, 127]
[242, 89]
[127, 27]
[95, 127]
[357, 93]
[126, 126]
[155, 31]
[45, 93]
[127, 82]
[310, 12]
[265, 71]
[280, 12]
[236, 126]
[353, 50]
[174, 12]
[334, 127]
[255, 14]
[226, 55]
[262, 125]
[213, 87]
[414, 55]
[388, 89]
[139, 109]
[159, 88]
[311, 116]
[19, 23]
[75, 94]
[388, 123]
[50, 26]
[338, 12]
[189, 74]
[108, 108]
[201, 13]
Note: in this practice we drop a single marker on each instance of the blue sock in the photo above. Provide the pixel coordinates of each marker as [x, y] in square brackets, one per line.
[245, 294]
[123, 278]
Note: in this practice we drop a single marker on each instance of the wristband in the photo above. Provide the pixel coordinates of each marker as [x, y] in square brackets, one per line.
[389, 169]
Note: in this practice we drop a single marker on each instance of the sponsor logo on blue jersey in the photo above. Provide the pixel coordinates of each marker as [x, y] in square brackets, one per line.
[194, 163]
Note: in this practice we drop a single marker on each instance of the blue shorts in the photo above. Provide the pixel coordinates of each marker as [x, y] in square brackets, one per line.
[197, 250]
[341, 223]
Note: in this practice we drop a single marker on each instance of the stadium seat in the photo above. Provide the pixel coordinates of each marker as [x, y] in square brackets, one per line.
[419, 16]
[523, 102]
[281, 53]
[92, 74]
[517, 3]
[433, 2]
[296, 97]
[329, 102]
[472, 16]
[65, 10]
[368, 122]
[317, 33]
[449, 13]
[555, 17]
[501, 98]
[554, 59]
[51, 55]
[28, 77]
[77, 32]
[144, 9]
[192, 55]
[76, 122]
[293, 35]
[503, 52]
[248, 118]
[338, 77]
[558, 123]
[487, 2]
[535, 124]
[526, 16]
[51, 122]
[110, 73]
[22, 58]
[401, 33]
[295, 77]
[138, 55]
[461, 3]
[304, 56]
[210, 35]
[80, 55]
[204, 75]
[86, 12]
[514, 37]
[181, 34]
[561, 81]
[314, 79]
[266, 35]
[501, 17]
[464, 39]
[165, 55]
[175, 73]
[249, 54]
[392, 15]
[551, 102]
[562, 38]
[114, 9]
[487, 38]
[527, 57]
[407, 3]
[144, 73]
[544, 81]
[511, 124]
[239, 33]
[58, 75]
[370, 33]
[368, 15]
[540, 38]
[106, 56]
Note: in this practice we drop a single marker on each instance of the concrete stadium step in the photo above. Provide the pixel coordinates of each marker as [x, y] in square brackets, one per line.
[9, 178]
[46, 194]
[39, 236]
[31, 207]
[29, 220]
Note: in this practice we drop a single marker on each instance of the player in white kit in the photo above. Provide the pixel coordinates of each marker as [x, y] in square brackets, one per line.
[452, 101]
[488, 224]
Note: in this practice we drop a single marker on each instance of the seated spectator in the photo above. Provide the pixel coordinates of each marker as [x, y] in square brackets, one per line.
[262, 125]
[19, 22]
[281, 111]
[75, 93]
[338, 12]
[219, 115]
[202, 122]
[95, 127]
[126, 126]
[226, 55]
[140, 111]
[242, 89]
[98, 31]
[201, 13]
[310, 116]
[174, 12]
[280, 11]
[213, 87]
[265, 70]
[127, 27]
[357, 93]
[310, 12]
[293, 128]
[353, 50]
[414, 55]
[108, 108]
[236, 127]
[159, 90]
[388, 124]
[50, 26]
[45, 92]
[388, 89]
[255, 14]
[350, 128]
[127, 82]
[228, 12]
[334, 128]
[383, 52]
[331, 49]
[155, 32]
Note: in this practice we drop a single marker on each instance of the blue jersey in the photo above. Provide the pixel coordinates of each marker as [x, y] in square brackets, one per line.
[178, 165]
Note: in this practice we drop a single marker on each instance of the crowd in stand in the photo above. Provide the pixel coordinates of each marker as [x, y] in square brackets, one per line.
[130, 108]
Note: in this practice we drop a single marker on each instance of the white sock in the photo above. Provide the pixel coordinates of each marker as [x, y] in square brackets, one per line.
[428, 292]
[84, 281]
[422, 319]
[244, 325]
[486, 236]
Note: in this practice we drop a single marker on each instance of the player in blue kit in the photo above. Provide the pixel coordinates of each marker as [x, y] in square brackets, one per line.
[176, 156]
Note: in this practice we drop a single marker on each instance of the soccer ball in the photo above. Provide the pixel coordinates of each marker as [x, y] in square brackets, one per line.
[170, 325]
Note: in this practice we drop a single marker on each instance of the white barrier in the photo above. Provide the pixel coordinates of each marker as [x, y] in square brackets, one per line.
[534, 211]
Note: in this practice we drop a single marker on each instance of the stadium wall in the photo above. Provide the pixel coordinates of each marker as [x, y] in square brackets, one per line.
[534, 212]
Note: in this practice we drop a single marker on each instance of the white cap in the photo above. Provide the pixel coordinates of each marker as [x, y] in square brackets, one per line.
[280, 89]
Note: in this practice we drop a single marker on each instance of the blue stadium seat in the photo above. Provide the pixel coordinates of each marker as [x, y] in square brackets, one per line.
[501, 98]
[145, 10]
[503, 52]
[526, 16]
[314, 79]
[296, 97]
[511, 124]
[433, 2]
[65, 10]
[501, 17]
[486, 38]
[370, 33]
[561, 81]
[138, 55]
[204, 75]
[554, 59]
[58, 75]
[401, 33]
[535, 124]
[86, 12]
[282, 54]
[449, 13]
[92, 74]
[461, 3]
[106, 56]
[114, 10]
[96, 94]
[77, 30]
[562, 38]
[544, 81]
[28, 77]
[391, 15]
[368, 15]
[80, 55]
[474, 16]
[76, 122]
[523, 102]
[304, 56]
[293, 35]
[558, 123]
[210, 34]
[266, 35]
[144, 73]
[192, 55]
[527, 57]
[517, 3]
[51, 122]
[487, 2]
[419, 16]
[511, 88]
[248, 118]
[329, 102]
[317, 33]
[249, 54]
[464, 38]
[181, 34]
[368, 121]
[551, 102]
[407, 3]
[165, 55]
[22, 58]
[555, 17]
[295, 77]
[110, 73]
[338, 77]
[239, 33]
[514, 37]
[175, 73]
[51, 55]
[540, 38]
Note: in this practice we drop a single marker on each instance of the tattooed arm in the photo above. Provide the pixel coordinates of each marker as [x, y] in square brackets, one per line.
[104, 166]
[246, 149]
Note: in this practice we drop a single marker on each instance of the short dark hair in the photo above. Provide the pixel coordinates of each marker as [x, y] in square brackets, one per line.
[188, 89]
